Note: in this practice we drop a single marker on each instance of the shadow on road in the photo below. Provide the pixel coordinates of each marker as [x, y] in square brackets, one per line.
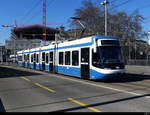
[10, 72]
[102, 103]
[2, 109]
[128, 77]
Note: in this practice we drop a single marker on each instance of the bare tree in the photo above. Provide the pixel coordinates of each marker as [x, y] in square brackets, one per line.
[127, 27]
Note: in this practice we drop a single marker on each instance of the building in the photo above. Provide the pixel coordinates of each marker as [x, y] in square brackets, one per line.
[28, 37]
[15, 45]
[2, 54]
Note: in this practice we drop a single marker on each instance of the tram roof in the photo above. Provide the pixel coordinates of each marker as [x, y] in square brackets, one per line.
[35, 32]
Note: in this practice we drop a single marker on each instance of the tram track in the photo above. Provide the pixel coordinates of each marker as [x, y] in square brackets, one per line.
[135, 87]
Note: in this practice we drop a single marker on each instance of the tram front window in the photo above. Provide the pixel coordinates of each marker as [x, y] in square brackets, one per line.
[111, 54]
[108, 57]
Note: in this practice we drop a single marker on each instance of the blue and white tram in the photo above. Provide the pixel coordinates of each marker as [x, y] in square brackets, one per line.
[95, 57]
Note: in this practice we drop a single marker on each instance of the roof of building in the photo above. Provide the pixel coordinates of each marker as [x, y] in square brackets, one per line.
[35, 31]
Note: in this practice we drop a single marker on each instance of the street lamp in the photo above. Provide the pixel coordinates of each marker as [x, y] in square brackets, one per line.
[105, 4]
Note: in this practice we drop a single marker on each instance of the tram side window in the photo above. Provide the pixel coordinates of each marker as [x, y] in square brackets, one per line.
[46, 57]
[67, 58]
[32, 58]
[19, 58]
[75, 58]
[85, 55]
[28, 57]
[51, 56]
[43, 56]
[25, 58]
[96, 59]
[61, 58]
[37, 58]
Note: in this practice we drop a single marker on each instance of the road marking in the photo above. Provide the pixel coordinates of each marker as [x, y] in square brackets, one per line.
[102, 86]
[84, 105]
[25, 79]
[45, 87]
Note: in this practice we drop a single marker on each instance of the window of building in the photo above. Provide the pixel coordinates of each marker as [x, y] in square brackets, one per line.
[61, 58]
[27, 45]
[67, 58]
[75, 58]
[16, 46]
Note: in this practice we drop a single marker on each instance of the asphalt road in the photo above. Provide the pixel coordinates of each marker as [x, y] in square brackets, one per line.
[26, 90]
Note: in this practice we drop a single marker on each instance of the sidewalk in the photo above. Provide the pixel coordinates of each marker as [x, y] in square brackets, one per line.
[142, 70]
[133, 69]
[9, 64]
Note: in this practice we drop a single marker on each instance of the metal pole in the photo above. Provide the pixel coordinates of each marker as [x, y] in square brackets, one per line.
[55, 52]
[14, 50]
[105, 19]
[105, 4]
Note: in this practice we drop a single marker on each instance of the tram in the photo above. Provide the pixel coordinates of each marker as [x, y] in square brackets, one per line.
[94, 57]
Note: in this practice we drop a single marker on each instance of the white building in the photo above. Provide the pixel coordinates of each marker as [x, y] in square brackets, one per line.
[21, 44]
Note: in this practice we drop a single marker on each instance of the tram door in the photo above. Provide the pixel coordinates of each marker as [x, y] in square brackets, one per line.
[43, 61]
[85, 53]
[23, 60]
[28, 65]
[34, 61]
[51, 61]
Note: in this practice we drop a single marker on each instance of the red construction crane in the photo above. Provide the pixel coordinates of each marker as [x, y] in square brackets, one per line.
[44, 22]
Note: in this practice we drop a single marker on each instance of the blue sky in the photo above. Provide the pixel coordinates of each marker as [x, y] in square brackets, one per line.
[30, 12]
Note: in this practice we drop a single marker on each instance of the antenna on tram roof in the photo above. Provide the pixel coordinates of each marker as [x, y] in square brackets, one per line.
[78, 19]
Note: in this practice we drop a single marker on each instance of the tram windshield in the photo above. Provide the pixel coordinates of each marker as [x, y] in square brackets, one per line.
[107, 56]
[110, 54]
